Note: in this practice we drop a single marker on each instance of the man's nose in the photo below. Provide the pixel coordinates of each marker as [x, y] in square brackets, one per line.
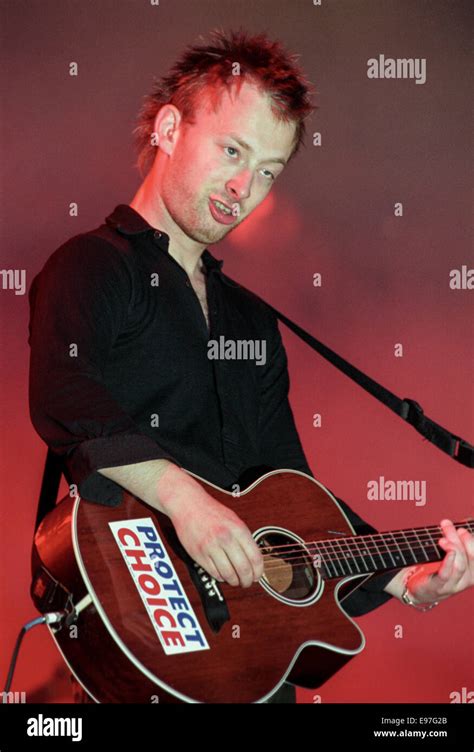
[240, 185]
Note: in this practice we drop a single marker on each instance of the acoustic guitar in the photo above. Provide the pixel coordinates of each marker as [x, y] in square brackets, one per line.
[144, 623]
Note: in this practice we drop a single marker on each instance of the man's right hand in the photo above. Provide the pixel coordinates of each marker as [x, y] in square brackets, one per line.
[211, 533]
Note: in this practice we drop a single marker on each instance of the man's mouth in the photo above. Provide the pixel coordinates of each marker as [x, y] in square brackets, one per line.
[221, 212]
[223, 207]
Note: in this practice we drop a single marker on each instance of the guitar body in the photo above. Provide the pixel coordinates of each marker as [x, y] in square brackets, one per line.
[147, 625]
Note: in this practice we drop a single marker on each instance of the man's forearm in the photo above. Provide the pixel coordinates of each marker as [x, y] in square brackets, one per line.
[153, 481]
[396, 585]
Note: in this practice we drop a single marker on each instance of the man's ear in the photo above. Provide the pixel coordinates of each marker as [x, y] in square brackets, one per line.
[166, 128]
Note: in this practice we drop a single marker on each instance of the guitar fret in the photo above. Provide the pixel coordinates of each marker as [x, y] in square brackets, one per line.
[327, 560]
[366, 552]
[434, 545]
[377, 553]
[399, 549]
[389, 552]
[421, 545]
[350, 553]
[363, 554]
[344, 559]
[362, 557]
[410, 548]
[335, 560]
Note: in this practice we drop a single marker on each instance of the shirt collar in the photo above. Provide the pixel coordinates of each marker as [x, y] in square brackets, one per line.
[129, 222]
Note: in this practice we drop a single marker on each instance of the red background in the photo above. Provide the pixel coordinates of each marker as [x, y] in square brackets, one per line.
[385, 278]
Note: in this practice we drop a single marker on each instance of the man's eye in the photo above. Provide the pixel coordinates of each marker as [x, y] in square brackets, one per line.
[269, 175]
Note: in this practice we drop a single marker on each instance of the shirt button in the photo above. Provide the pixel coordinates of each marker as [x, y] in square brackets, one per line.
[157, 235]
[188, 283]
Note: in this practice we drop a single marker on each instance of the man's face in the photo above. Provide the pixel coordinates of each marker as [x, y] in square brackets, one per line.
[232, 155]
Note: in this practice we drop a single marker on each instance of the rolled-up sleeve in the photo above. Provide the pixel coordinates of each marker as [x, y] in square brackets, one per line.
[280, 447]
[78, 305]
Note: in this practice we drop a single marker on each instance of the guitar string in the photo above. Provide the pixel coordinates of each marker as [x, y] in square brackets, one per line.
[303, 562]
[466, 523]
[302, 557]
[306, 558]
[411, 530]
[413, 534]
[325, 560]
[361, 550]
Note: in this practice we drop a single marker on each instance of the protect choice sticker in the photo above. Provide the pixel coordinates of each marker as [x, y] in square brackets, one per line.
[159, 586]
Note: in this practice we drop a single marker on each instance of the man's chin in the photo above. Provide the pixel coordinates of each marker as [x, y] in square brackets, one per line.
[220, 234]
[220, 231]
[210, 235]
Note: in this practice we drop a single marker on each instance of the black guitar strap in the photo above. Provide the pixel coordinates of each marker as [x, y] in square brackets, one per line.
[53, 469]
[456, 447]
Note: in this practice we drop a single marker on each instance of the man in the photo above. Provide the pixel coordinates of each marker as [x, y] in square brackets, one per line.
[121, 382]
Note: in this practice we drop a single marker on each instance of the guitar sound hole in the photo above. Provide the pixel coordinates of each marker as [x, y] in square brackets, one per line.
[289, 570]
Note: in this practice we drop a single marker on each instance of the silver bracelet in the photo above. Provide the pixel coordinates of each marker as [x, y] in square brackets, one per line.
[419, 606]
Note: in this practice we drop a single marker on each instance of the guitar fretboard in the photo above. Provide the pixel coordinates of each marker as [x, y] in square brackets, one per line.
[365, 554]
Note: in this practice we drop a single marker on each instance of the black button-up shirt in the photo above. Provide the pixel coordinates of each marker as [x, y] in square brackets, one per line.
[120, 369]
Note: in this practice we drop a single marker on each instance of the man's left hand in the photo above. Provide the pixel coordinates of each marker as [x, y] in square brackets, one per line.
[439, 580]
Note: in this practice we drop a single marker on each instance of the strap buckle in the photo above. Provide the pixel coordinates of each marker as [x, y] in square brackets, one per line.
[413, 413]
[457, 448]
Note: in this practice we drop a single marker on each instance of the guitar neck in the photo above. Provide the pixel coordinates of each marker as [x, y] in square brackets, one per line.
[366, 554]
